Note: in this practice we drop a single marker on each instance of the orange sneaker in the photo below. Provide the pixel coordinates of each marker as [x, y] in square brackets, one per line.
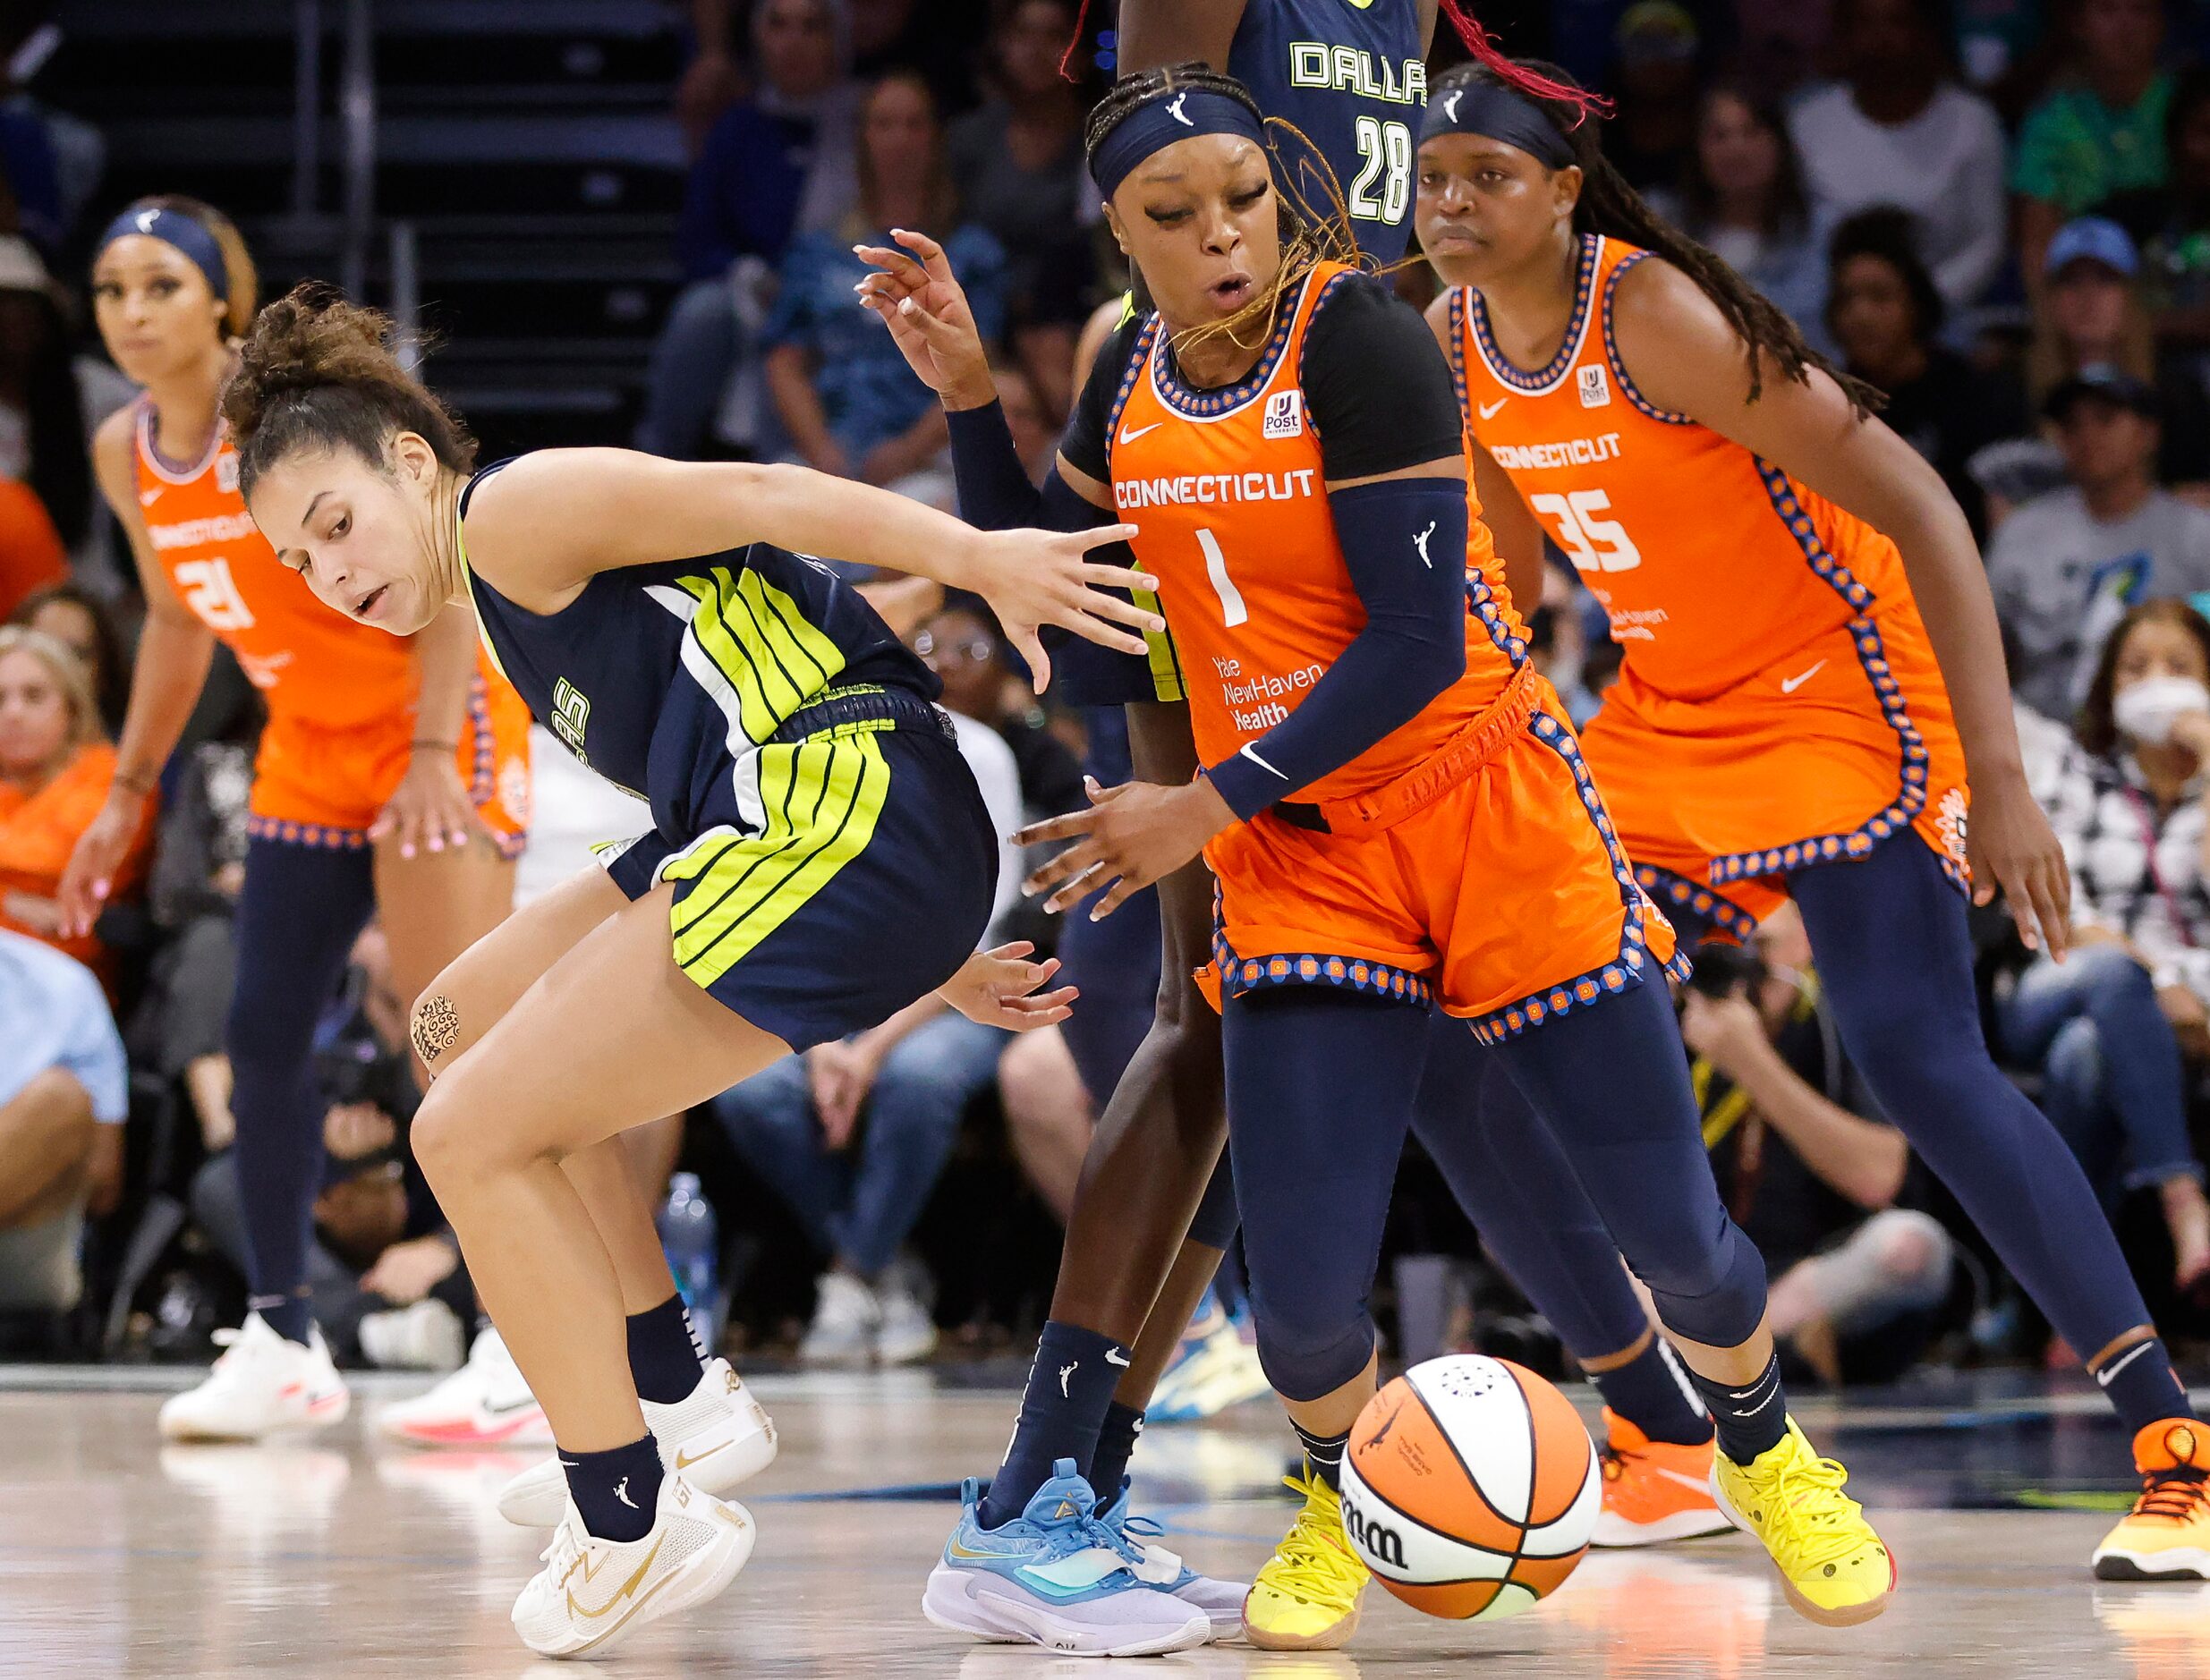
[2167, 1536]
[1654, 1491]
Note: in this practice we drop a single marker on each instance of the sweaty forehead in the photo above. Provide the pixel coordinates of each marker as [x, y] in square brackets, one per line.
[141, 253]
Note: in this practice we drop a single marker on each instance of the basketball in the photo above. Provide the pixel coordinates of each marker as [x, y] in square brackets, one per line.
[1470, 1487]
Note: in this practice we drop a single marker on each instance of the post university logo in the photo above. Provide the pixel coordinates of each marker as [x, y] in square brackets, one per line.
[1285, 414]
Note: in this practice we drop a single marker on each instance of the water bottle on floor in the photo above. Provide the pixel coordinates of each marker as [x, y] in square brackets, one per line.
[691, 1237]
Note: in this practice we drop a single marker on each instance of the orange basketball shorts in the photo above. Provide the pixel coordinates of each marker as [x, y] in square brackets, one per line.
[1845, 744]
[1501, 893]
[318, 787]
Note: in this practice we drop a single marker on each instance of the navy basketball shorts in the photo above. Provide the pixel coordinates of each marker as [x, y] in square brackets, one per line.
[830, 877]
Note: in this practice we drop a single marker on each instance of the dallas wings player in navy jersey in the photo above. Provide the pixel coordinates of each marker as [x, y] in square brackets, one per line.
[819, 856]
[1352, 80]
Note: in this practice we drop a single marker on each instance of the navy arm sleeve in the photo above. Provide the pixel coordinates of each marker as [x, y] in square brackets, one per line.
[1380, 396]
[995, 495]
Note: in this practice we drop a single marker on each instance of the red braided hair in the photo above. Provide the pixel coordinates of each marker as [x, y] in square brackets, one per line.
[1486, 52]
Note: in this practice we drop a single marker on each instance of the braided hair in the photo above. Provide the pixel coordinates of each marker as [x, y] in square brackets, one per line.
[1308, 235]
[1611, 206]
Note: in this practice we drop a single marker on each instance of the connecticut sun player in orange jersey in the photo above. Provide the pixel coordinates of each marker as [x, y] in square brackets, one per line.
[1398, 815]
[392, 777]
[1812, 702]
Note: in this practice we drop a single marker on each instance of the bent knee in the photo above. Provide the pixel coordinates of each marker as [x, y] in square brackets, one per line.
[434, 1025]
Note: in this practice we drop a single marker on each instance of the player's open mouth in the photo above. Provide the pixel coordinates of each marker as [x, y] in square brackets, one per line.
[1233, 292]
[365, 607]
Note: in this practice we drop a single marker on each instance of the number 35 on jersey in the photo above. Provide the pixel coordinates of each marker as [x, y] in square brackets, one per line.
[1592, 542]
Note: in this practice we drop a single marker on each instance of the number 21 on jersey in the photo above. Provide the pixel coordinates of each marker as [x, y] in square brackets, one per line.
[1591, 541]
[212, 593]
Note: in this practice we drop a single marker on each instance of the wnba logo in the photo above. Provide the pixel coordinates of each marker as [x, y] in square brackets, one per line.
[1378, 1541]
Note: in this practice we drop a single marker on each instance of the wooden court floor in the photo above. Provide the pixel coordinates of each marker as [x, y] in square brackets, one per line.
[340, 1557]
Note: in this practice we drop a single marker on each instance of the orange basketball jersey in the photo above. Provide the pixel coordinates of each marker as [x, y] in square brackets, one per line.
[1778, 701]
[340, 694]
[1226, 491]
[1712, 563]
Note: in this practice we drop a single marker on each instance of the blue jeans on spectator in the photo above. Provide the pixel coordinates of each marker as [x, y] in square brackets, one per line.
[858, 1204]
[2113, 1082]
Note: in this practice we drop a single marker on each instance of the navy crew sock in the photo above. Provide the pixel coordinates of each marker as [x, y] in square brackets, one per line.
[1115, 1445]
[1323, 1455]
[666, 1356]
[1653, 1392]
[617, 1491]
[1751, 1419]
[2142, 1386]
[1070, 1385]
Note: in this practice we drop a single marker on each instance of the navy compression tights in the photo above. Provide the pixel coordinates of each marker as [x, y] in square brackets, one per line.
[1321, 1088]
[298, 913]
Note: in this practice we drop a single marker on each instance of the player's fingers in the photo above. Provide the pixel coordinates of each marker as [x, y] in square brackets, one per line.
[1073, 826]
[1040, 1003]
[1102, 633]
[2056, 933]
[1124, 612]
[1097, 536]
[943, 334]
[2019, 899]
[1082, 886]
[1012, 950]
[930, 253]
[1030, 647]
[1122, 890]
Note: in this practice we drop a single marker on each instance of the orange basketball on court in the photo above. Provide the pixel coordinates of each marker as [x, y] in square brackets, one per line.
[1470, 1487]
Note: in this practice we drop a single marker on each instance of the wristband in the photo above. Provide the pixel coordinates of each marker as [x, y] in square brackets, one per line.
[137, 781]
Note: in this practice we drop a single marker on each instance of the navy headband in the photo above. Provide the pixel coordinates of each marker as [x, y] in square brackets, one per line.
[1150, 129]
[174, 227]
[1498, 112]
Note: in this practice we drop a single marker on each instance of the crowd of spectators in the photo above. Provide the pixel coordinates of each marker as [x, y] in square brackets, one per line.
[1998, 217]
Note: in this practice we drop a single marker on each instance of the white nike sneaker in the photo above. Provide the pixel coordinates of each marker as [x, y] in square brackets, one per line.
[718, 1435]
[483, 1403]
[260, 1385]
[591, 1593]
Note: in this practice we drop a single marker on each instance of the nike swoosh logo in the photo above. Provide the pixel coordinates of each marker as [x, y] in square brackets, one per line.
[958, 1550]
[2108, 1371]
[512, 1406]
[146, 498]
[1789, 685]
[683, 1461]
[1690, 1482]
[1113, 1357]
[1127, 437]
[620, 1592]
[1488, 409]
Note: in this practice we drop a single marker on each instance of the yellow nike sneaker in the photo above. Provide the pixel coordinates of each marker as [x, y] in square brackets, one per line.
[1305, 1597]
[1833, 1567]
[2167, 1536]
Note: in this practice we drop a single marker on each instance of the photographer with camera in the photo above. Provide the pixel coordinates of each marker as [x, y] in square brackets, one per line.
[1804, 1171]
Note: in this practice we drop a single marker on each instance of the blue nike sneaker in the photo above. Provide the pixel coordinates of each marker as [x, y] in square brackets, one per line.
[1055, 1576]
[1156, 1567]
[1215, 1366]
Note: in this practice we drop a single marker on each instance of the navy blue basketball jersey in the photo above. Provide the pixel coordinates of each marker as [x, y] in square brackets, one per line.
[658, 676]
[1351, 75]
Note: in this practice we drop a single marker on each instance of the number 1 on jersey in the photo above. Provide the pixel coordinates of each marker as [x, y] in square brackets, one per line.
[1232, 610]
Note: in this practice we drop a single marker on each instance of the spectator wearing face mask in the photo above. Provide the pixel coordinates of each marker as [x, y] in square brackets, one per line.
[2066, 564]
[2112, 1027]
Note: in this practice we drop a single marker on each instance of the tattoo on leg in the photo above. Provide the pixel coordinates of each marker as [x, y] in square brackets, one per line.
[436, 1027]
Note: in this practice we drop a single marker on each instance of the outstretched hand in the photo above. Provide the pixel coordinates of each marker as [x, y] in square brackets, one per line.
[1001, 989]
[1131, 835]
[921, 300]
